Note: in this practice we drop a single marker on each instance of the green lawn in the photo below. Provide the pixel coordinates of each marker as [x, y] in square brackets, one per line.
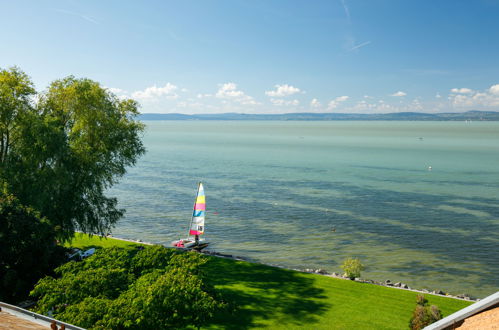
[84, 241]
[269, 297]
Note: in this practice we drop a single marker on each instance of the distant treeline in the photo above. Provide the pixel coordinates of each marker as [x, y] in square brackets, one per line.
[405, 116]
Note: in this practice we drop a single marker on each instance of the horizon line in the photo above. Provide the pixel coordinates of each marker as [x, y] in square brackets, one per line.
[315, 113]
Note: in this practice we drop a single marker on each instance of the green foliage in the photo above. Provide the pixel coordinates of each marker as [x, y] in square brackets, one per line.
[15, 91]
[267, 297]
[27, 248]
[60, 153]
[87, 313]
[130, 288]
[146, 260]
[423, 314]
[352, 267]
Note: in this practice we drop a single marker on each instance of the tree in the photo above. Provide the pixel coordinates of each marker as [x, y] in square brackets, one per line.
[352, 267]
[423, 314]
[27, 248]
[127, 288]
[16, 90]
[60, 153]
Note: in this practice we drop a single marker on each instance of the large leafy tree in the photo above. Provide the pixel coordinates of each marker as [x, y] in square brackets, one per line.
[127, 288]
[16, 90]
[61, 149]
[27, 248]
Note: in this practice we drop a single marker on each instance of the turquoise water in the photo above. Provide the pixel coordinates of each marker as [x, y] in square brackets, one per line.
[276, 190]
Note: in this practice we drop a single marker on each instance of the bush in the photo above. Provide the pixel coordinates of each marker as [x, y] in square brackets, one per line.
[352, 268]
[423, 314]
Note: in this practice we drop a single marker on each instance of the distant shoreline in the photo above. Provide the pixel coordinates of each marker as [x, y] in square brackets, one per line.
[469, 116]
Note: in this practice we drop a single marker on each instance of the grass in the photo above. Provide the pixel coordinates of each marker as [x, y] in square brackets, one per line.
[84, 242]
[269, 297]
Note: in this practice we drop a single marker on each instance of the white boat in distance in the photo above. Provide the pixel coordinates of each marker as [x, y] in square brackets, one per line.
[196, 227]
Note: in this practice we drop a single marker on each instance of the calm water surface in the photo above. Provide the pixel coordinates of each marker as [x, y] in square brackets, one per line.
[276, 190]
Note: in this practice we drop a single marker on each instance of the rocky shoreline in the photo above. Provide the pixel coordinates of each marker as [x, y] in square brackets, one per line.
[387, 283]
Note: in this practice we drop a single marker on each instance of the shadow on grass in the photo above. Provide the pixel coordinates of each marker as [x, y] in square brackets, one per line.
[258, 292]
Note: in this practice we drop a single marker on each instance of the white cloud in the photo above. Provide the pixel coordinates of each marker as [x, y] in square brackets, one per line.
[415, 106]
[116, 91]
[382, 106]
[461, 90]
[399, 94]
[333, 104]
[229, 91]
[438, 95]
[315, 104]
[283, 90]
[368, 107]
[467, 98]
[155, 92]
[494, 89]
[281, 102]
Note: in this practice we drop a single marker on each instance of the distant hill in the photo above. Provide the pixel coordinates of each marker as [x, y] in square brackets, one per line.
[402, 116]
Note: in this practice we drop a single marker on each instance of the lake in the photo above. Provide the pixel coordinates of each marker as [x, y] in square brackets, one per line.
[417, 202]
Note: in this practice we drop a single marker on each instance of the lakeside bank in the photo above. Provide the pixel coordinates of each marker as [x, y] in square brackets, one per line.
[387, 283]
[277, 298]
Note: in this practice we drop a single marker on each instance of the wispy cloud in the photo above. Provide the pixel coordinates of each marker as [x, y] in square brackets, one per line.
[333, 104]
[72, 13]
[463, 90]
[359, 46]
[282, 102]
[347, 11]
[427, 72]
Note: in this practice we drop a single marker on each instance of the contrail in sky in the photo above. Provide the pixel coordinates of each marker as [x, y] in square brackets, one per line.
[347, 12]
[360, 46]
[85, 17]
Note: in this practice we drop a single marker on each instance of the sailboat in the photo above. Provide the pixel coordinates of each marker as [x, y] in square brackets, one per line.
[196, 227]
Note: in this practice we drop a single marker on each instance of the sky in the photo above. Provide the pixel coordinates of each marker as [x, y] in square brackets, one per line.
[264, 56]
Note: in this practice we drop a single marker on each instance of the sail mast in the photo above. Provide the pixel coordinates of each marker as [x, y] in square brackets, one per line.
[193, 207]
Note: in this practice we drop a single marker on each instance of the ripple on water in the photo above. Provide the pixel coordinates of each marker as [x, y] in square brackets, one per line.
[275, 200]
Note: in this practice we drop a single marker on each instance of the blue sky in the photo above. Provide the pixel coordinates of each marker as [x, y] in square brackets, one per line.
[207, 56]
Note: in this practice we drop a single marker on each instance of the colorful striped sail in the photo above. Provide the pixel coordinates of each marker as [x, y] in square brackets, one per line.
[197, 222]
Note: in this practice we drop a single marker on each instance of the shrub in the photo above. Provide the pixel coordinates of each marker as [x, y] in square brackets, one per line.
[352, 268]
[423, 314]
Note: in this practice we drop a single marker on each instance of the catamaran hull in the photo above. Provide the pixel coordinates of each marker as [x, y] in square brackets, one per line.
[189, 244]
